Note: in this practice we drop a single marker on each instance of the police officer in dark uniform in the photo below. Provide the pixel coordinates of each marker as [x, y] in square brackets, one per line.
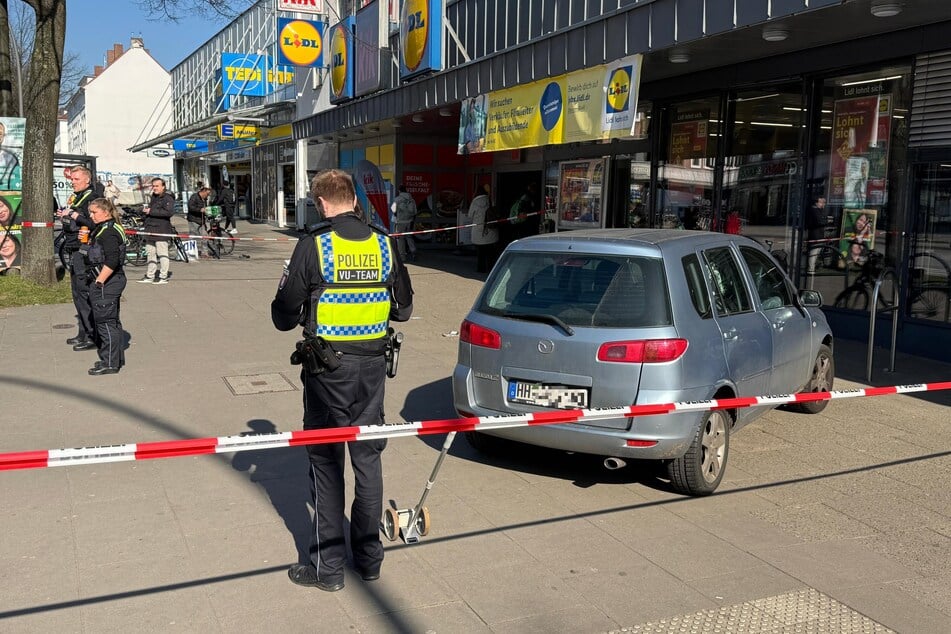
[343, 284]
[104, 259]
[76, 226]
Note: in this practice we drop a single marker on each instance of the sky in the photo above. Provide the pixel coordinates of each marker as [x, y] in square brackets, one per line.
[93, 26]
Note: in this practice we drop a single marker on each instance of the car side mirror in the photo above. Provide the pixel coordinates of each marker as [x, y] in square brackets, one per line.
[810, 299]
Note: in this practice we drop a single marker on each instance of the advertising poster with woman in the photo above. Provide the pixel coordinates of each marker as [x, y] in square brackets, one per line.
[12, 132]
[10, 238]
[858, 235]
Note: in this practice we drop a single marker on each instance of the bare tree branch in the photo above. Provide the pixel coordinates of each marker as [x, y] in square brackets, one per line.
[177, 10]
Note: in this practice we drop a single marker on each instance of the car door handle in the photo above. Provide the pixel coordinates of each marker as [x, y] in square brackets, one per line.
[730, 334]
[778, 325]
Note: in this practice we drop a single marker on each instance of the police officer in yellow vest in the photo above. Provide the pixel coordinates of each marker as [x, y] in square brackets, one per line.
[343, 285]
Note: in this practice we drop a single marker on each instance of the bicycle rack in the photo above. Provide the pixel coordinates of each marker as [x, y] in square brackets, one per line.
[871, 320]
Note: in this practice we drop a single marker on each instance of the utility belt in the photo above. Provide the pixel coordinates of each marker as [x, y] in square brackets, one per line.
[316, 356]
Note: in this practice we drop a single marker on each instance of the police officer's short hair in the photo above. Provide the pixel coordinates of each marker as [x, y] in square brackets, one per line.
[333, 185]
[82, 169]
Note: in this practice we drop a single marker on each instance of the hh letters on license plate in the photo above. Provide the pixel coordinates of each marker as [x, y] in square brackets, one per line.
[547, 395]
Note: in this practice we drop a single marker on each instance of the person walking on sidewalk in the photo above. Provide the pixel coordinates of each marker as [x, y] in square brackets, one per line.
[344, 285]
[196, 216]
[158, 219]
[76, 227]
[405, 210]
[226, 199]
[106, 279]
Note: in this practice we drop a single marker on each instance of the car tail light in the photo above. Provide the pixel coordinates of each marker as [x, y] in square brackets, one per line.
[637, 442]
[643, 351]
[479, 336]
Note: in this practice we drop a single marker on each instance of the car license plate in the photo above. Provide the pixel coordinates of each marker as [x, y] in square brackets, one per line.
[556, 396]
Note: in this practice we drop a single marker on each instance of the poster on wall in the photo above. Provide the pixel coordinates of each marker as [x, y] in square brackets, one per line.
[12, 133]
[858, 164]
[858, 235]
[580, 194]
[688, 136]
[10, 229]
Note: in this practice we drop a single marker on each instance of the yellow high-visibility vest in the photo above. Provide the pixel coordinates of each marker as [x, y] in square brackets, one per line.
[355, 303]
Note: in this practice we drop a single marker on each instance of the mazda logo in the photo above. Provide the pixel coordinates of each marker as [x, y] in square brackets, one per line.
[546, 346]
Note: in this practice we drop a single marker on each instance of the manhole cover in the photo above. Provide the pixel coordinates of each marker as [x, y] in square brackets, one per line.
[258, 384]
[63, 326]
[800, 611]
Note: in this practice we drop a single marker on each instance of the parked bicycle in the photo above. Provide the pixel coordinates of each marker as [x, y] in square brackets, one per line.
[856, 295]
[929, 287]
[135, 253]
[220, 242]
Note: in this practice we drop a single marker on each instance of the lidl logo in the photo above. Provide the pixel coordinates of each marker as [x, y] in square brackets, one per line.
[338, 60]
[300, 42]
[415, 32]
[619, 90]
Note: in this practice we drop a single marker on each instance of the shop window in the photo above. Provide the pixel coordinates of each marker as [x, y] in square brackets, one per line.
[929, 267]
[762, 171]
[692, 131]
[859, 169]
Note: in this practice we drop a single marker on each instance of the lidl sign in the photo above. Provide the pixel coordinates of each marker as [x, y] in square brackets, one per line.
[421, 41]
[341, 61]
[252, 74]
[299, 42]
[237, 131]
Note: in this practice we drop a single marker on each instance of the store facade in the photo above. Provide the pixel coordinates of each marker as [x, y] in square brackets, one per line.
[749, 112]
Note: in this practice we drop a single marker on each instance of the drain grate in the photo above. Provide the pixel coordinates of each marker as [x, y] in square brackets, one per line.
[258, 384]
[803, 611]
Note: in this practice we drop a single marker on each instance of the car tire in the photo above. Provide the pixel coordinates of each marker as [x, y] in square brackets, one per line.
[821, 380]
[699, 471]
[483, 443]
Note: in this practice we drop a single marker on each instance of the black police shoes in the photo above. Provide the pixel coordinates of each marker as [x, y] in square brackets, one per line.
[99, 369]
[304, 575]
[77, 339]
[84, 345]
[368, 575]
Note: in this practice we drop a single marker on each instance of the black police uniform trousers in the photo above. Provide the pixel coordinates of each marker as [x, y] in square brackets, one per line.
[350, 395]
[104, 307]
[80, 291]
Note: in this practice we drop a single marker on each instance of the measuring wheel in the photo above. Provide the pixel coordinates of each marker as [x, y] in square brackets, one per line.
[391, 524]
[422, 521]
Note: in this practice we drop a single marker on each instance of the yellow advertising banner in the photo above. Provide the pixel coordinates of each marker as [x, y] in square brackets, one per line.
[588, 105]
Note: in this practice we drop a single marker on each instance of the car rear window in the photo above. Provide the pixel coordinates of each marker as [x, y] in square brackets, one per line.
[580, 290]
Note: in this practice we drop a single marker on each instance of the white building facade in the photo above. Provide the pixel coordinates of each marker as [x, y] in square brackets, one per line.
[125, 101]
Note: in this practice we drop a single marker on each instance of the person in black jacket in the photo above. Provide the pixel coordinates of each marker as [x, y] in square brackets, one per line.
[104, 257]
[158, 220]
[344, 284]
[227, 200]
[196, 213]
[76, 227]
[816, 221]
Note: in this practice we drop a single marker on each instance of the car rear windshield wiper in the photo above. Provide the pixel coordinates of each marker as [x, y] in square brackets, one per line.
[545, 319]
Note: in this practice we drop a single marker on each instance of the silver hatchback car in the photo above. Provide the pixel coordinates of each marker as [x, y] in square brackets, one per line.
[614, 317]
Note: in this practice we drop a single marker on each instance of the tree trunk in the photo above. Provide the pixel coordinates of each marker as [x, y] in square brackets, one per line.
[8, 105]
[42, 103]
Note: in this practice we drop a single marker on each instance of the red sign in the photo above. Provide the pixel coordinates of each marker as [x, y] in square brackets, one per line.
[301, 6]
[419, 185]
[688, 136]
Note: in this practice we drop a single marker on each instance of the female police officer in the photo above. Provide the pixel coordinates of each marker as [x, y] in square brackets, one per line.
[104, 259]
[343, 285]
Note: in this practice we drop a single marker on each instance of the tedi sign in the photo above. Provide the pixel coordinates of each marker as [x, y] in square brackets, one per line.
[301, 6]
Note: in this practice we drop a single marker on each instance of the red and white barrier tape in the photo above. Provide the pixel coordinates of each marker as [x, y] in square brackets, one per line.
[231, 444]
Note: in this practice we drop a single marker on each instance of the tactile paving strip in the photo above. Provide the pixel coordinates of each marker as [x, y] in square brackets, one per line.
[802, 612]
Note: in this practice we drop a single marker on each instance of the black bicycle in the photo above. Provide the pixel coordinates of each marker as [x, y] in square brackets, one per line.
[929, 287]
[856, 295]
[135, 253]
[220, 242]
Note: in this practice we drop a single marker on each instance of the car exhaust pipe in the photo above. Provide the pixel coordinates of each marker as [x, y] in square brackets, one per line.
[613, 464]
